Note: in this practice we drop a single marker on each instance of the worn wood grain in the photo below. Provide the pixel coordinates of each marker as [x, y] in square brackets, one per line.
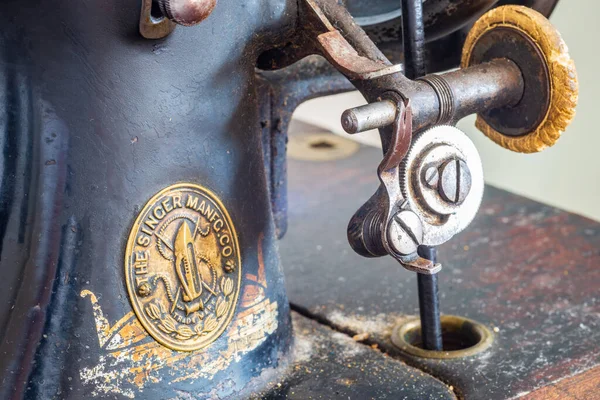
[528, 270]
[583, 386]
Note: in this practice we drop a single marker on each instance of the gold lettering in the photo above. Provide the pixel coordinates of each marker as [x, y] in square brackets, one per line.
[141, 263]
[141, 256]
[177, 202]
[218, 225]
[168, 207]
[225, 239]
[141, 268]
[192, 202]
[159, 234]
[182, 320]
[151, 222]
[160, 215]
[143, 240]
[209, 212]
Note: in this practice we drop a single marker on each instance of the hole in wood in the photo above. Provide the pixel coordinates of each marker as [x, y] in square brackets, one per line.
[322, 145]
[461, 337]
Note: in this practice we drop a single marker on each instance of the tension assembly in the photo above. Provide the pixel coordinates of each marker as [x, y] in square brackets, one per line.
[431, 189]
[516, 76]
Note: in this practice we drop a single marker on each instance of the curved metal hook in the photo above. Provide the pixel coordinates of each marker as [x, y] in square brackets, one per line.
[389, 176]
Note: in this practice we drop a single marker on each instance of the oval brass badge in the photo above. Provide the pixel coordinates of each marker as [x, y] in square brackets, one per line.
[183, 267]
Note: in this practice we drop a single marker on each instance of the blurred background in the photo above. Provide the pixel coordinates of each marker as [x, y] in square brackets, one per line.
[566, 175]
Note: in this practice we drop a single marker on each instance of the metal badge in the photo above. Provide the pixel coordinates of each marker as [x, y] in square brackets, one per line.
[183, 267]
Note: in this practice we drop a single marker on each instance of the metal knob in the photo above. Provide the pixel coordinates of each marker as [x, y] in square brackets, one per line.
[455, 181]
[186, 12]
[547, 105]
[405, 232]
[370, 116]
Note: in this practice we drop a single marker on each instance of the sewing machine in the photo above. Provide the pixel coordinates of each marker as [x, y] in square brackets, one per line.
[146, 195]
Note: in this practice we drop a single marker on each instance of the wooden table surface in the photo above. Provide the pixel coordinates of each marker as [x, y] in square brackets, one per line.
[528, 271]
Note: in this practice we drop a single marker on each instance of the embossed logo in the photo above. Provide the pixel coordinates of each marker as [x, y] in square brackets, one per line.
[183, 267]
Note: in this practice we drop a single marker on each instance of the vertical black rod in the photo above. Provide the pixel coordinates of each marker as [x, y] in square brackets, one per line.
[429, 304]
[413, 32]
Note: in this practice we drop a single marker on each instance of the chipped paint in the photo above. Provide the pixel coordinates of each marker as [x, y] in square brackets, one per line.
[133, 359]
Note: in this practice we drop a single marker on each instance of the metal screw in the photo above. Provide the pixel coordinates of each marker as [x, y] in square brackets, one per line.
[187, 12]
[431, 177]
[455, 181]
[405, 232]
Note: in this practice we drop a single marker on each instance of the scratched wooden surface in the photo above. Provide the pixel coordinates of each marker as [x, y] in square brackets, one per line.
[330, 365]
[528, 271]
[585, 385]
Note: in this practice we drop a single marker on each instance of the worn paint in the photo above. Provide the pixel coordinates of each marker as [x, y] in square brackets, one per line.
[133, 358]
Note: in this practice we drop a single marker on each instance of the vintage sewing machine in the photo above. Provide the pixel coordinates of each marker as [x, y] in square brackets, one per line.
[145, 189]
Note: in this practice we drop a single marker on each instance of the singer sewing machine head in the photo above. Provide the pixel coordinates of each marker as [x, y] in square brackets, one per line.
[144, 170]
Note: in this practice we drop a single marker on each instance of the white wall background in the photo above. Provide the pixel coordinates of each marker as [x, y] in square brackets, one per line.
[566, 175]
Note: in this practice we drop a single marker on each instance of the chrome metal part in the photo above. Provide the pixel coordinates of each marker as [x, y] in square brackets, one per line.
[402, 231]
[405, 232]
[431, 177]
[443, 90]
[455, 183]
[449, 97]
[460, 179]
[370, 116]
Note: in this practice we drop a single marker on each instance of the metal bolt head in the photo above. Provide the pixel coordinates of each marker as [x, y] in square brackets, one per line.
[187, 12]
[144, 289]
[455, 181]
[431, 177]
[405, 232]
